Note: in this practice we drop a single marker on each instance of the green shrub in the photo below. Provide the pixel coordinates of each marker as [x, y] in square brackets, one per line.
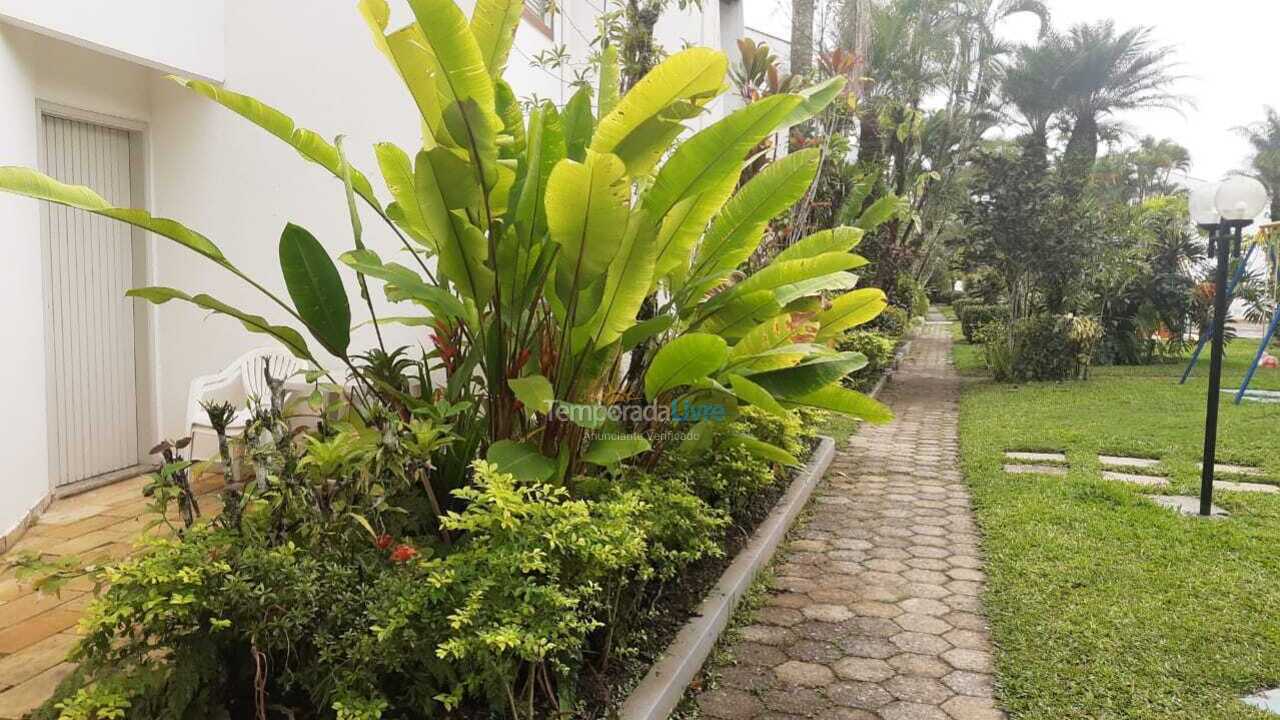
[996, 352]
[893, 322]
[910, 295]
[355, 623]
[680, 528]
[975, 316]
[962, 303]
[879, 350]
[1041, 349]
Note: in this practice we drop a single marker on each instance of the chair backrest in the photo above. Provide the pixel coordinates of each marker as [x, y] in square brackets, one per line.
[253, 365]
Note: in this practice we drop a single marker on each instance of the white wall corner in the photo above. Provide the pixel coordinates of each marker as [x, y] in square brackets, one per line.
[186, 37]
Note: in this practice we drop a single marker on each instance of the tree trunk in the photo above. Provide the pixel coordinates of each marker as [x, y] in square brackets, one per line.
[639, 51]
[801, 36]
[1080, 155]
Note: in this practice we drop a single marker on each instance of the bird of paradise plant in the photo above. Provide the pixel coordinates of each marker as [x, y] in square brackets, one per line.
[533, 241]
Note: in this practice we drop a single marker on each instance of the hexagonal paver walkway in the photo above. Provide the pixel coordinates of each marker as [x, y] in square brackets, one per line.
[876, 611]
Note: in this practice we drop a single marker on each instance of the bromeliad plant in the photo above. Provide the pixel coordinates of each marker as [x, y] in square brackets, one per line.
[545, 250]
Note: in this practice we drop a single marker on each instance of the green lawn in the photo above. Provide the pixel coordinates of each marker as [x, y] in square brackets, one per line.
[1102, 604]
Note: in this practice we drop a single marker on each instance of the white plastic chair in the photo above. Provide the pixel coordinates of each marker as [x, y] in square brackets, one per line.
[242, 383]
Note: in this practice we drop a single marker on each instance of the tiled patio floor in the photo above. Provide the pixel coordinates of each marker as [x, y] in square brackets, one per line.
[36, 630]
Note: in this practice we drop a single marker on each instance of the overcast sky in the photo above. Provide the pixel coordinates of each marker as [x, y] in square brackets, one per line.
[1226, 49]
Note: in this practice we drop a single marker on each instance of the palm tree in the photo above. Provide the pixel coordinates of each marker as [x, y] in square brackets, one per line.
[1156, 161]
[980, 53]
[1264, 138]
[1033, 86]
[801, 37]
[1109, 73]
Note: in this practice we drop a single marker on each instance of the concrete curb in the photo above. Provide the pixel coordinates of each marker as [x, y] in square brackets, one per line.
[664, 685]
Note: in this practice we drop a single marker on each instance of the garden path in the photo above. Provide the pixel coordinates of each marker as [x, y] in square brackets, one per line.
[875, 612]
[37, 630]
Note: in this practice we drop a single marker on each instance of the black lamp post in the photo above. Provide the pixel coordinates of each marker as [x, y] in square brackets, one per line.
[1224, 211]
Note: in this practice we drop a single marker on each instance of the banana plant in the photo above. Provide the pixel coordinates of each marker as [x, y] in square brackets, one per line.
[546, 247]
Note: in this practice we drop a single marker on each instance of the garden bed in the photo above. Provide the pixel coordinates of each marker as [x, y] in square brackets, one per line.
[662, 687]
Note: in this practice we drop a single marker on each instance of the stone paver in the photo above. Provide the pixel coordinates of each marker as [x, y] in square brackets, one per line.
[875, 612]
[1246, 487]
[1055, 470]
[1135, 479]
[1127, 462]
[1186, 505]
[37, 631]
[1036, 457]
[1227, 469]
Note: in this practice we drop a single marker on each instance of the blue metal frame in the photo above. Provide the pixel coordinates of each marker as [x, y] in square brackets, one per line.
[1266, 341]
[1211, 330]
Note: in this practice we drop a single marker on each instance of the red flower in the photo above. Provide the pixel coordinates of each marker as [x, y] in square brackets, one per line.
[383, 542]
[403, 553]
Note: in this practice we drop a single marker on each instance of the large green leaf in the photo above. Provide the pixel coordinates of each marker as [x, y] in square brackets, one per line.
[737, 231]
[493, 23]
[756, 395]
[809, 376]
[684, 225]
[645, 330]
[607, 94]
[462, 247]
[769, 335]
[838, 239]
[635, 129]
[22, 181]
[535, 392]
[407, 51]
[816, 99]
[579, 124]
[587, 209]
[478, 137]
[403, 283]
[788, 294]
[546, 149]
[685, 360]
[738, 316]
[627, 283]
[609, 451]
[702, 162]
[880, 212]
[763, 450]
[287, 336]
[790, 272]
[308, 143]
[512, 114]
[316, 288]
[397, 173]
[463, 73]
[835, 398]
[851, 310]
[521, 460]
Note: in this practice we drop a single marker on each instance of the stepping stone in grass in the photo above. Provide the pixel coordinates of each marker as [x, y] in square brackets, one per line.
[1128, 462]
[1268, 700]
[1245, 487]
[1187, 505]
[1035, 470]
[1148, 480]
[1225, 469]
[1036, 457]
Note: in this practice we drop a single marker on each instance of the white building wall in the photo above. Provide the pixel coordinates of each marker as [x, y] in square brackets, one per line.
[228, 179]
[172, 35]
[35, 68]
